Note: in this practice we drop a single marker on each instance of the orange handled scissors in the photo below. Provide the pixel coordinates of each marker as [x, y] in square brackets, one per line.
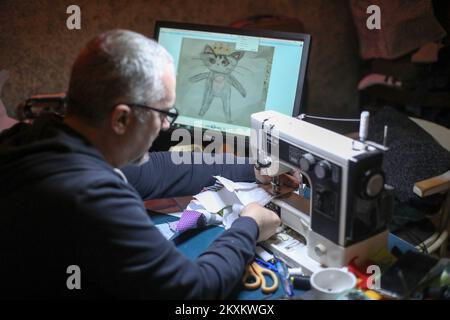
[254, 278]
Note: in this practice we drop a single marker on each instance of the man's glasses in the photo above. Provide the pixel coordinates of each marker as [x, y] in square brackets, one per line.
[170, 115]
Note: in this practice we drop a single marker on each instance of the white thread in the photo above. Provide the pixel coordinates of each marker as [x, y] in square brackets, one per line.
[295, 271]
[364, 125]
[303, 116]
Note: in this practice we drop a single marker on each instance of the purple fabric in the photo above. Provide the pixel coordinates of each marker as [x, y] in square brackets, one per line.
[190, 219]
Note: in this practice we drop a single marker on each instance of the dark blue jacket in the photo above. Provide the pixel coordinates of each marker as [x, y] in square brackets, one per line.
[61, 204]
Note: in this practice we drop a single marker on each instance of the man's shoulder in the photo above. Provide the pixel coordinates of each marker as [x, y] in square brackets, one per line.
[81, 178]
[94, 192]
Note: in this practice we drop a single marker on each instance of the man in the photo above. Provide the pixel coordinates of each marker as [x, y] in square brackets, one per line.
[65, 203]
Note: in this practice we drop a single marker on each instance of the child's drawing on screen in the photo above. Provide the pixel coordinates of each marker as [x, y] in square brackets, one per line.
[221, 84]
[219, 78]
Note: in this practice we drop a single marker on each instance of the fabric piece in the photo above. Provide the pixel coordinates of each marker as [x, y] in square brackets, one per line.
[405, 26]
[231, 214]
[211, 218]
[232, 193]
[167, 230]
[173, 227]
[191, 219]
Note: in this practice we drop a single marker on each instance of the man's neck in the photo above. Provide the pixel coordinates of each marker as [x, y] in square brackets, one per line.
[98, 137]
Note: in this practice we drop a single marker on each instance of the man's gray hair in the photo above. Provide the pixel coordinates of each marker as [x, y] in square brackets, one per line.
[118, 66]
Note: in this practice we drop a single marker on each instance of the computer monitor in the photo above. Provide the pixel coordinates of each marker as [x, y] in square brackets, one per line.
[226, 74]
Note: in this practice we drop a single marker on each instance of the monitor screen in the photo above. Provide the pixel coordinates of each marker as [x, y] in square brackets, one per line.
[226, 74]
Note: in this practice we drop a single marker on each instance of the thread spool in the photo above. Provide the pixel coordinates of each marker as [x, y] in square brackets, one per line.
[295, 271]
[364, 125]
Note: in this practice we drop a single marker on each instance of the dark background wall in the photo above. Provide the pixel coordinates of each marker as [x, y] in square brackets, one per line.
[37, 48]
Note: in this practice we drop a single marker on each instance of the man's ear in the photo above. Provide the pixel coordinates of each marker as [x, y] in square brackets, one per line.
[120, 119]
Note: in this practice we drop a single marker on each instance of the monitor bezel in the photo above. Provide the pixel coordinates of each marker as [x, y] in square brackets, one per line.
[265, 33]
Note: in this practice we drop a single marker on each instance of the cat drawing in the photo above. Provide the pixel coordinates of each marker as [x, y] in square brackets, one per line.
[219, 79]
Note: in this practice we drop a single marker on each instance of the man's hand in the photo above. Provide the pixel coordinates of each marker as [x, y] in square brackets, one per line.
[267, 220]
[291, 179]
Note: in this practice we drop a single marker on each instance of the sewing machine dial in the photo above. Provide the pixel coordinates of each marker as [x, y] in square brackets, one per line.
[307, 161]
[372, 184]
[322, 169]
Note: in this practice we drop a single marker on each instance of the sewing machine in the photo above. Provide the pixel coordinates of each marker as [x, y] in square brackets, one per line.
[346, 217]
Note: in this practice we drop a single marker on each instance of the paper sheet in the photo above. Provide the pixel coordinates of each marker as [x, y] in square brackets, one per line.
[230, 214]
[258, 195]
[233, 186]
[215, 201]
[241, 193]
[164, 228]
[231, 198]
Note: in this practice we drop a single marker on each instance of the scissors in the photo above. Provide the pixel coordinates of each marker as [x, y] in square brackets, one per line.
[254, 278]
